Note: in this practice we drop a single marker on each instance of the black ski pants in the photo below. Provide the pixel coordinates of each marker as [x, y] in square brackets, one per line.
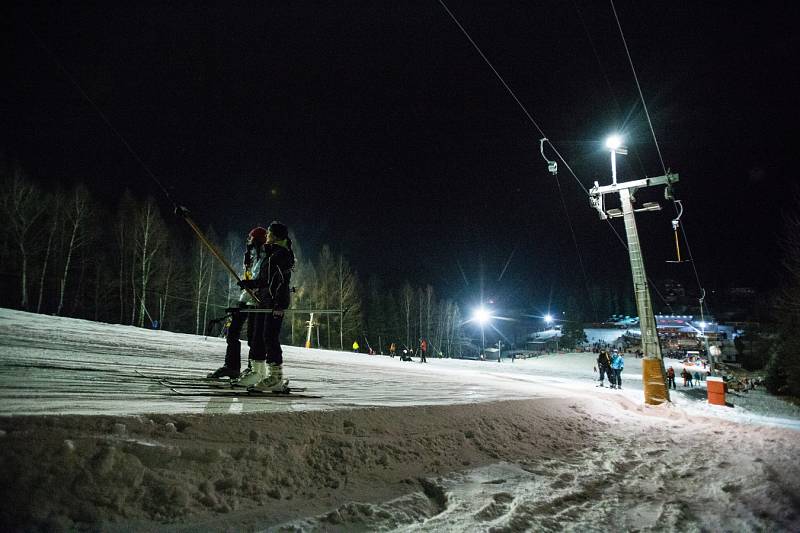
[605, 371]
[233, 352]
[265, 342]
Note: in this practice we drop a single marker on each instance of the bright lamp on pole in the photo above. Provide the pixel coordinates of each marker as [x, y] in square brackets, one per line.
[613, 142]
[481, 316]
[548, 319]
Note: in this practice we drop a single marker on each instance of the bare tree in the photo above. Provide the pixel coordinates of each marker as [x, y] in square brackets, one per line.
[212, 236]
[55, 214]
[76, 212]
[21, 206]
[407, 302]
[349, 298]
[326, 282]
[428, 311]
[233, 249]
[122, 230]
[149, 239]
[202, 276]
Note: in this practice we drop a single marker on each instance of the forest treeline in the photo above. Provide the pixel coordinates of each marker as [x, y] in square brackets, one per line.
[64, 253]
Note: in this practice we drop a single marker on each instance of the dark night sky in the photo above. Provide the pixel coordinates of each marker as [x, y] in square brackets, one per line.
[377, 127]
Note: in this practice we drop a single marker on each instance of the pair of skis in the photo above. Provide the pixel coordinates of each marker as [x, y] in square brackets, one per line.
[209, 387]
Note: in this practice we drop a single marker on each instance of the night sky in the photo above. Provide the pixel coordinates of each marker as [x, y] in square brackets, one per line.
[376, 127]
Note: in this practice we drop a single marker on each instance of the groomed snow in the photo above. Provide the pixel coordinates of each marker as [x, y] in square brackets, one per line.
[449, 445]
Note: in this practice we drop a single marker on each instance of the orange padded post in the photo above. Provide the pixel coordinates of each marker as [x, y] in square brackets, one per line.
[716, 390]
[655, 382]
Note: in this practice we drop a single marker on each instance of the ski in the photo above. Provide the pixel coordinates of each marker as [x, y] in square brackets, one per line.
[188, 379]
[238, 393]
[213, 386]
[197, 384]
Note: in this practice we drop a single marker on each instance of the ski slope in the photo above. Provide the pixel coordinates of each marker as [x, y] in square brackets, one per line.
[450, 445]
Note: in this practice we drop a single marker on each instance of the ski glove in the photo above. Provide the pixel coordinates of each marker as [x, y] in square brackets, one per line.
[247, 284]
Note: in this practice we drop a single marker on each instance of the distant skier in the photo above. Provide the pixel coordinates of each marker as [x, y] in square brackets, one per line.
[604, 367]
[617, 364]
[356, 346]
[423, 351]
[272, 289]
[392, 350]
[670, 378]
[253, 257]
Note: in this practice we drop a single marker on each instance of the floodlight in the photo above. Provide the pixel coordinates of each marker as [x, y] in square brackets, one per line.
[481, 315]
[613, 142]
[548, 318]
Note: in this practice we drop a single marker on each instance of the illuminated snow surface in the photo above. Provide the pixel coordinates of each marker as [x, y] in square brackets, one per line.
[449, 445]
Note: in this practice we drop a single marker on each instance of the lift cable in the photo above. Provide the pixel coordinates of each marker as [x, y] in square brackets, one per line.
[178, 209]
[607, 81]
[678, 207]
[544, 139]
[539, 129]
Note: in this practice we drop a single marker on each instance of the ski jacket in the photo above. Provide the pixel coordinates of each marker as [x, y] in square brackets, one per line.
[617, 362]
[671, 372]
[604, 360]
[273, 277]
[251, 271]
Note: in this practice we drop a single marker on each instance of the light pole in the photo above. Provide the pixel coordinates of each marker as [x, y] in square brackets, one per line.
[548, 319]
[481, 316]
[654, 377]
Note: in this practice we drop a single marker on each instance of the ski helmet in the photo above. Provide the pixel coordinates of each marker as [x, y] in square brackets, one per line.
[279, 230]
[258, 234]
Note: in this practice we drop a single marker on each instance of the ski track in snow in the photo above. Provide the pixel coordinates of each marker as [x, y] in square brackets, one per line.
[578, 458]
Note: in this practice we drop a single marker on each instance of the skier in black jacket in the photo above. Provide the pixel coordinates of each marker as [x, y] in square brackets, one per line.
[604, 367]
[271, 286]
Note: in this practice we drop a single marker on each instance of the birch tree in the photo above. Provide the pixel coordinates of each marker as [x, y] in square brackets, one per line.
[428, 305]
[21, 206]
[76, 211]
[201, 276]
[55, 215]
[149, 239]
[212, 236]
[234, 252]
[407, 303]
[122, 229]
[348, 298]
[326, 281]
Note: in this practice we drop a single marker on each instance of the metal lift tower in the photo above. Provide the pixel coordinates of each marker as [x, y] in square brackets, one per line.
[653, 375]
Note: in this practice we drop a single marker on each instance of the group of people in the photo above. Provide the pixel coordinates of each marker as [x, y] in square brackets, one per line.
[610, 365]
[406, 354]
[265, 284]
[689, 378]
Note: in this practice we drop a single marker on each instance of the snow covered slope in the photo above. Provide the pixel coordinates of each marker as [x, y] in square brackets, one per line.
[445, 446]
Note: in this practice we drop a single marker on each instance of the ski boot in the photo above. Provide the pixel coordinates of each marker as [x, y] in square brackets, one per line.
[224, 372]
[273, 383]
[256, 375]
